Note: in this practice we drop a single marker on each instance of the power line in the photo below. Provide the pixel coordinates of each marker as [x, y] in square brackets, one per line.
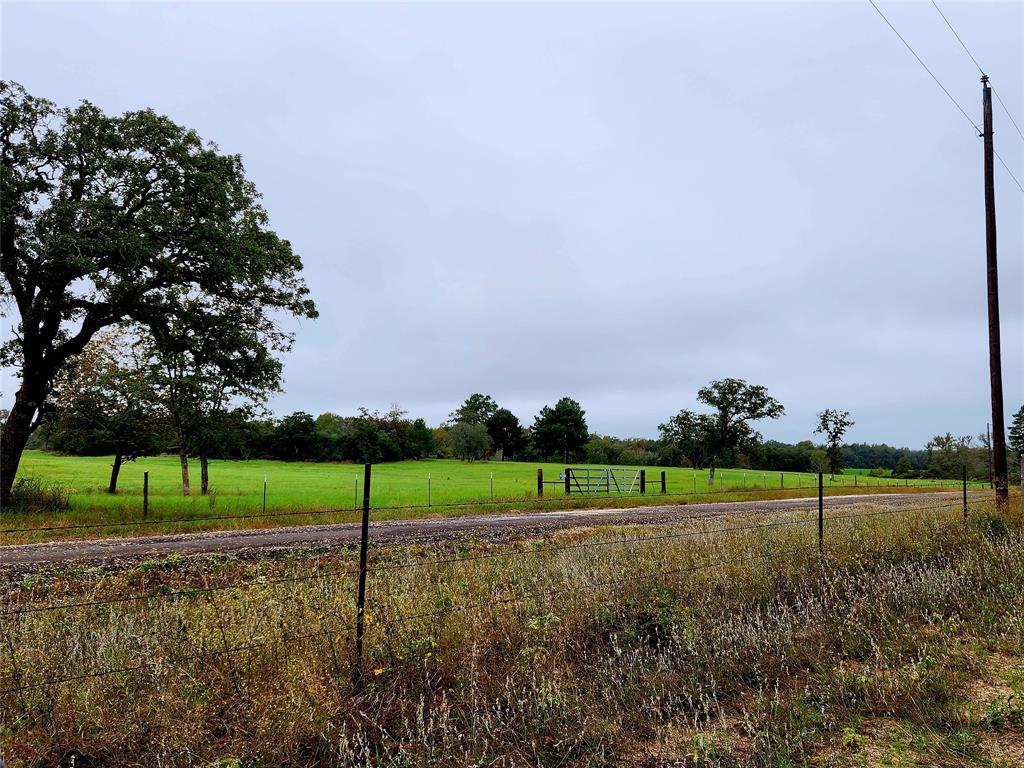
[958, 38]
[980, 69]
[946, 90]
[1007, 111]
[926, 69]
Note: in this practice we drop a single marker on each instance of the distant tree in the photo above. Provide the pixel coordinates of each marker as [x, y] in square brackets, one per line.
[505, 432]
[106, 219]
[736, 404]
[296, 438]
[203, 368]
[477, 409]
[104, 403]
[818, 460]
[469, 441]
[947, 455]
[442, 443]
[419, 440]
[833, 424]
[1016, 434]
[903, 467]
[688, 434]
[560, 431]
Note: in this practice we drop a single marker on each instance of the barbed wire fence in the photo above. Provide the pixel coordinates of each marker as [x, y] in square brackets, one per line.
[540, 500]
[354, 631]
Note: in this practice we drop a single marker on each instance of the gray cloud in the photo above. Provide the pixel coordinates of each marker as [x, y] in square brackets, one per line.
[618, 202]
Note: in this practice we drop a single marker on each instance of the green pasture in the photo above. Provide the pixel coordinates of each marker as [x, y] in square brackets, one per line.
[237, 487]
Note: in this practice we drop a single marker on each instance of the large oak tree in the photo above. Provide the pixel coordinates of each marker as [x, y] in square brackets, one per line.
[736, 403]
[111, 218]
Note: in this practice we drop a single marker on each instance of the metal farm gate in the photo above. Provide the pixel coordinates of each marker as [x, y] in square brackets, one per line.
[603, 480]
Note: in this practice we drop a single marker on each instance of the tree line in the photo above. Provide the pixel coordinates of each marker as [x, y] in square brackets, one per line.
[120, 399]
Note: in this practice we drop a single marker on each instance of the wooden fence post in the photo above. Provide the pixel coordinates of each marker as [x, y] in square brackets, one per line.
[540, 482]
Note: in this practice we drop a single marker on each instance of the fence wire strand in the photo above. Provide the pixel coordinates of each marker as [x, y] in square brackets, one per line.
[480, 605]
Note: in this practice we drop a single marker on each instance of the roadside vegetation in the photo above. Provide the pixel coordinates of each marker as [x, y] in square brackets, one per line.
[726, 642]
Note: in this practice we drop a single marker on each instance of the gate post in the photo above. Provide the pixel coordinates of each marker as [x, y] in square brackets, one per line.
[663, 491]
[568, 488]
[643, 481]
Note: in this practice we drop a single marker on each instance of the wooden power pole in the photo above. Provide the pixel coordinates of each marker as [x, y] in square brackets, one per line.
[994, 354]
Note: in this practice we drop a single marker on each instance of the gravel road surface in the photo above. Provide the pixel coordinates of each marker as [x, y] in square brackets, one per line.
[486, 526]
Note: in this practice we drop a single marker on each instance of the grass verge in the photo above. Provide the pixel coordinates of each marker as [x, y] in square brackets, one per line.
[721, 643]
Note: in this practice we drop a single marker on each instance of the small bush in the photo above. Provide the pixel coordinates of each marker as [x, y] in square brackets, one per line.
[992, 527]
[31, 495]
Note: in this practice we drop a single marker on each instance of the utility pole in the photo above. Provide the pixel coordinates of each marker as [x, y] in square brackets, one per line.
[994, 354]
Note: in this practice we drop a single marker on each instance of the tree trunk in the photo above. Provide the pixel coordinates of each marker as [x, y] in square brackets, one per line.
[204, 472]
[115, 470]
[17, 430]
[711, 474]
[186, 488]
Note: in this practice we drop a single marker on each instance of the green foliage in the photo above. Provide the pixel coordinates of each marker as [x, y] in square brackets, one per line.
[505, 432]
[947, 455]
[32, 495]
[419, 440]
[104, 403]
[736, 404]
[686, 435]
[560, 432]
[478, 409]
[296, 437]
[833, 424]
[129, 218]
[469, 441]
[1016, 434]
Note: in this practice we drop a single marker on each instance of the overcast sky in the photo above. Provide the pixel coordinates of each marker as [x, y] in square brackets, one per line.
[615, 202]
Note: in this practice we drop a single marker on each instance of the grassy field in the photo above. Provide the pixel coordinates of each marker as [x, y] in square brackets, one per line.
[237, 489]
[718, 643]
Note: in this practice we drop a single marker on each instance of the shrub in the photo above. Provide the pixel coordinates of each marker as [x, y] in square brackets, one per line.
[31, 495]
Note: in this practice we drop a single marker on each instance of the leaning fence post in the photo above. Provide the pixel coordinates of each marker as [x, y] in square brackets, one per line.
[663, 487]
[821, 513]
[145, 494]
[364, 541]
[540, 482]
[965, 494]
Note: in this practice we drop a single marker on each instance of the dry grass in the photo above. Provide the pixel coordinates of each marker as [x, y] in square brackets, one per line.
[692, 646]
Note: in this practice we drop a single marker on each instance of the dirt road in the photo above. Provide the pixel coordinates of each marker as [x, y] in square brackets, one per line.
[488, 526]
